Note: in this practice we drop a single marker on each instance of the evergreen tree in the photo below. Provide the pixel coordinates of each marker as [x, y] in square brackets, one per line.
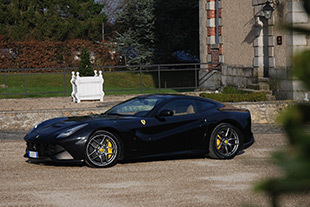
[176, 28]
[85, 64]
[151, 31]
[135, 32]
[51, 19]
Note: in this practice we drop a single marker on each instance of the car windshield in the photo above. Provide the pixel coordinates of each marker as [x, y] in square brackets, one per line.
[139, 106]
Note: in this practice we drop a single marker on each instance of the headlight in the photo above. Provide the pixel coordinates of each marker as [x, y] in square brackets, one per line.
[71, 131]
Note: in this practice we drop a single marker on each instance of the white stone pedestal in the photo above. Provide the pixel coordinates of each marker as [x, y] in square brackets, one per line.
[87, 88]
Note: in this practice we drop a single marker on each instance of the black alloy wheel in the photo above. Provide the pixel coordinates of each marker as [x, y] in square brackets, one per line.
[225, 142]
[102, 149]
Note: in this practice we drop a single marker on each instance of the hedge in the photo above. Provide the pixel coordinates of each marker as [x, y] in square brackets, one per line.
[249, 97]
[49, 54]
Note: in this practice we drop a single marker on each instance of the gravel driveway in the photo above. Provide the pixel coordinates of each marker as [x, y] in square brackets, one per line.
[178, 182]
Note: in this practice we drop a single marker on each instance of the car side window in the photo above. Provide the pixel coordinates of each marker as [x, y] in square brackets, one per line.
[181, 107]
[204, 106]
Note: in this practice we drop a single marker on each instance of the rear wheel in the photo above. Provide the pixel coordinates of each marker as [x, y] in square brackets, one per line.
[225, 142]
[102, 149]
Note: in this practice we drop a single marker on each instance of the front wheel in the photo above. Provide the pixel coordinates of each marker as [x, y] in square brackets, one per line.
[225, 142]
[102, 149]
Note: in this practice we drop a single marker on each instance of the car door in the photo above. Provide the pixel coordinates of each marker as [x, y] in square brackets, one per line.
[181, 131]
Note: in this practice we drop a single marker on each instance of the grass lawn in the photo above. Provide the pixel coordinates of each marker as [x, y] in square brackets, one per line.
[53, 84]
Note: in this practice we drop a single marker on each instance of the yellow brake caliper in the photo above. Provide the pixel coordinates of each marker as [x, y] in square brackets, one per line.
[218, 142]
[110, 150]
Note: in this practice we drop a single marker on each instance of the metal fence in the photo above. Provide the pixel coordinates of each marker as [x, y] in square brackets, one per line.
[40, 82]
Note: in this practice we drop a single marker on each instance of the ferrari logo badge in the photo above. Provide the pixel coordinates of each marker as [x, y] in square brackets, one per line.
[37, 136]
[143, 122]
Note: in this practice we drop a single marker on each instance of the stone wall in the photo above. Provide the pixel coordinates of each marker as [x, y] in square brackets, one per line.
[285, 86]
[262, 112]
[25, 120]
[240, 77]
[281, 83]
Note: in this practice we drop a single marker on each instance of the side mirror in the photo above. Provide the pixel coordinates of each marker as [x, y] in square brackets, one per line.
[164, 113]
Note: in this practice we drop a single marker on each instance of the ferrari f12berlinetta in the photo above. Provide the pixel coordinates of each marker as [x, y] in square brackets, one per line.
[144, 126]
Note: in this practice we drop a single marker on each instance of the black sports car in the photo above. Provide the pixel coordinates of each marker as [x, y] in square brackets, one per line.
[142, 127]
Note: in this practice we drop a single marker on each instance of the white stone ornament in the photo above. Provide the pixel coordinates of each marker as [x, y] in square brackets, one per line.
[87, 88]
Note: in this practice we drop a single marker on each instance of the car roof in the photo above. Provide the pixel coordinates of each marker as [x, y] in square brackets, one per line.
[166, 96]
[173, 96]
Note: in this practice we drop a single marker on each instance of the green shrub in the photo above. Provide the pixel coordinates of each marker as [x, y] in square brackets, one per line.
[85, 65]
[222, 97]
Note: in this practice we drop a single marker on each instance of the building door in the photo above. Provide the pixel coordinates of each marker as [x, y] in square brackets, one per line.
[265, 46]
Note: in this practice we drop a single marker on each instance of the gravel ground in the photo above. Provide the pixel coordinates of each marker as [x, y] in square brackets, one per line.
[175, 182]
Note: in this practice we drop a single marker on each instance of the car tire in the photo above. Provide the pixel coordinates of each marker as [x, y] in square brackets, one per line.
[225, 142]
[102, 149]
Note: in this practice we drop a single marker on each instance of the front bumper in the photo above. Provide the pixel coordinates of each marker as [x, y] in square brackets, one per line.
[47, 147]
[40, 152]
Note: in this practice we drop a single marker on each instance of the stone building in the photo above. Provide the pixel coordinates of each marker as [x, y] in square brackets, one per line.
[254, 52]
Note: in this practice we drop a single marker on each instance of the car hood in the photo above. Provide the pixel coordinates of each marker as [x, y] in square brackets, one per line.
[57, 125]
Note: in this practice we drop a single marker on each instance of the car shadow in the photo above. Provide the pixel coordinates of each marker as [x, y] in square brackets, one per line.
[130, 161]
[240, 152]
[165, 158]
[57, 164]
[172, 157]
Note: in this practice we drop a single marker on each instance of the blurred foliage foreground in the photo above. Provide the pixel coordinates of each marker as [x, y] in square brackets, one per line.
[295, 159]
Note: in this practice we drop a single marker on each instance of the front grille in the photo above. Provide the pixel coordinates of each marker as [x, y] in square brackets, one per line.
[44, 150]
